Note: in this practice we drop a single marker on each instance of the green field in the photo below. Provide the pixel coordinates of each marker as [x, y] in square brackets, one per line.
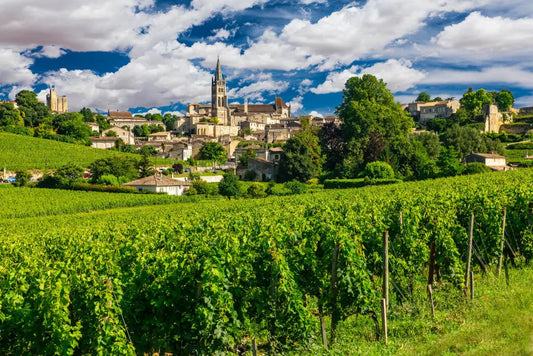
[209, 277]
[19, 152]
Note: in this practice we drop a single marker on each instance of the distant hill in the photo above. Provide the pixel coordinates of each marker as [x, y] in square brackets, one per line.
[25, 152]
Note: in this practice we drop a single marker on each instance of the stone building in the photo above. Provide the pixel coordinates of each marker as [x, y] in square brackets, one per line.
[493, 118]
[56, 104]
[424, 111]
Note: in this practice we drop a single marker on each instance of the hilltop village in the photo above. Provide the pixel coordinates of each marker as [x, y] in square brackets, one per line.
[373, 137]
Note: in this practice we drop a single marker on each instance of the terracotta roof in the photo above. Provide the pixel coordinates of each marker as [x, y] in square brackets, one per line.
[276, 149]
[157, 181]
[103, 138]
[120, 114]
[159, 134]
[280, 103]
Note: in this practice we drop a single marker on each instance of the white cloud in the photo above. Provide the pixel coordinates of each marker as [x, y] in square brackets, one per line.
[315, 114]
[296, 104]
[510, 75]
[256, 90]
[309, 2]
[479, 33]
[398, 74]
[14, 68]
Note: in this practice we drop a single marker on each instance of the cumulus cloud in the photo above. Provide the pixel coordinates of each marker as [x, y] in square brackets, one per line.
[316, 114]
[398, 74]
[514, 75]
[479, 33]
[296, 104]
[256, 90]
[14, 68]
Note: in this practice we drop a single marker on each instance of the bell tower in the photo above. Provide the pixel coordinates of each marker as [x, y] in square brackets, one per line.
[219, 98]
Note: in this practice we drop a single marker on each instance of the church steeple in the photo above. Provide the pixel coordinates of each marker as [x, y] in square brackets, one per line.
[218, 74]
[219, 98]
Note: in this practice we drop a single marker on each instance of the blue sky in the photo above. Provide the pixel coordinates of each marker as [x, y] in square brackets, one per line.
[159, 55]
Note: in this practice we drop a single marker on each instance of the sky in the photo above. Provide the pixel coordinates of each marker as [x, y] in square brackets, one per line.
[159, 55]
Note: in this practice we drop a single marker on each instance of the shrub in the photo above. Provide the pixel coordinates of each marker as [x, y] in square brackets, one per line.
[250, 175]
[378, 170]
[230, 186]
[475, 168]
[256, 190]
[108, 179]
[191, 191]
[296, 187]
[23, 178]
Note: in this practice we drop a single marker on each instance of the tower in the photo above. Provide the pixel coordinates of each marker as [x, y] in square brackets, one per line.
[219, 98]
[56, 104]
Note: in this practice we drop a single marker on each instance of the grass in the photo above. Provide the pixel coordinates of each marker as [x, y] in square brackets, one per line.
[499, 321]
[19, 152]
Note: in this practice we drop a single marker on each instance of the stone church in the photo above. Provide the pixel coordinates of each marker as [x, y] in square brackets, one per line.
[221, 118]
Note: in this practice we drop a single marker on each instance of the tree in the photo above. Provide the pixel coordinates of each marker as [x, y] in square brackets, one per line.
[145, 166]
[473, 101]
[230, 186]
[301, 159]
[214, 152]
[87, 115]
[368, 109]
[23, 178]
[449, 163]
[332, 145]
[117, 166]
[504, 99]
[10, 116]
[243, 159]
[148, 150]
[430, 142]
[141, 131]
[76, 128]
[423, 96]
[437, 124]
[33, 110]
[467, 139]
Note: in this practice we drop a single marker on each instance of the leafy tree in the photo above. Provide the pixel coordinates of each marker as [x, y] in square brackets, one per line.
[141, 131]
[250, 175]
[111, 134]
[438, 98]
[505, 100]
[108, 179]
[10, 116]
[178, 167]
[87, 114]
[368, 109]
[75, 128]
[230, 186]
[437, 124]
[102, 122]
[117, 166]
[145, 166]
[332, 145]
[301, 159]
[449, 163]
[430, 142]
[23, 178]
[243, 159]
[148, 150]
[423, 166]
[423, 96]
[202, 187]
[378, 170]
[468, 139]
[214, 152]
[33, 110]
[153, 128]
[169, 120]
[473, 101]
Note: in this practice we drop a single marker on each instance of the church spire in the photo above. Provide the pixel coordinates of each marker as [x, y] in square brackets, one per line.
[218, 75]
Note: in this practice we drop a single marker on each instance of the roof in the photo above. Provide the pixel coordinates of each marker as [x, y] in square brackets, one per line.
[280, 103]
[276, 149]
[157, 181]
[435, 103]
[164, 133]
[113, 139]
[487, 155]
[120, 114]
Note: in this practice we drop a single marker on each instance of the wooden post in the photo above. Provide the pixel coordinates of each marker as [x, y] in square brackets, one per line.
[401, 219]
[469, 255]
[386, 267]
[334, 291]
[323, 331]
[384, 318]
[431, 272]
[430, 294]
[472, 285]
[254, 347]
[502, 243]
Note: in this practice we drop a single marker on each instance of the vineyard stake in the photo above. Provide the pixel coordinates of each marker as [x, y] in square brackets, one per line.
[506, 271]
[386, 267]
[334, 292]
[469, 256]
[431, 272]
[430, 294]
[384, 318]
[322, 323]
[472, 285]
[254, 347]
[401, 220]
[502, 243]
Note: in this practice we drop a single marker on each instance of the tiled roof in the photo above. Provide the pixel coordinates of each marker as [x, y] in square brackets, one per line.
[120, 114]
[157, 181]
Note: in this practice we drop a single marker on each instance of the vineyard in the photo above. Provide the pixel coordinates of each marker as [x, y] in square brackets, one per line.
[217, 277]
[19, 152]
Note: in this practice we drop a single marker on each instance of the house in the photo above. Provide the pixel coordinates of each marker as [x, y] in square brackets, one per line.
[125, 118]
[94, 127]
[265, 170]
[103, 142]
[159, 183]
[424, 111]
[125, 135]
[491, 160]
[159, 136]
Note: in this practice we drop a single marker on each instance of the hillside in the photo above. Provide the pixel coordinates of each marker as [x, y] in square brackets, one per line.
[24, 152]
